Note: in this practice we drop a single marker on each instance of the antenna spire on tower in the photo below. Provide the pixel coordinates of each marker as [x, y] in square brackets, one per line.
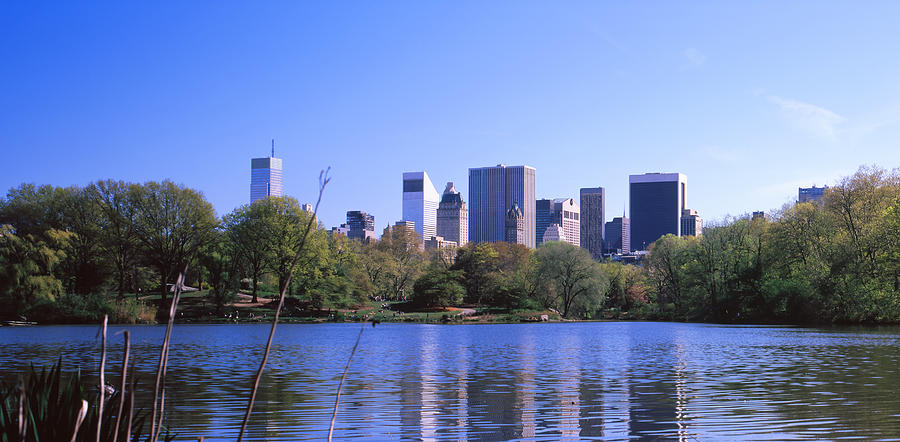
[273, 148]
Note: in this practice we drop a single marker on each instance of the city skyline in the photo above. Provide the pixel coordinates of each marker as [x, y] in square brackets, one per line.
[602, 91]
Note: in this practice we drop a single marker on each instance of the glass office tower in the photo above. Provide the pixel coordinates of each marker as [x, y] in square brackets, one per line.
[657, 201]
[492, 192]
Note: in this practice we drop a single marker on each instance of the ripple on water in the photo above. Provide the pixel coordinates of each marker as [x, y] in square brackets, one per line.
[504, 382]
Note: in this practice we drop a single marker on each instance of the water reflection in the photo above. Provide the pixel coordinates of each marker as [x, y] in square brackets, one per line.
[602, 381]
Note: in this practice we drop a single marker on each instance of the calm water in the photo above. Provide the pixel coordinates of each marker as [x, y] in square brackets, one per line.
[500, 382]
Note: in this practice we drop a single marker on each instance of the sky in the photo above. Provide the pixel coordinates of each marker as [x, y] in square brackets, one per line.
[750, 100]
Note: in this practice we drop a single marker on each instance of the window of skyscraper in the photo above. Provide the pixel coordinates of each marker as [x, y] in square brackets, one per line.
[412, 185]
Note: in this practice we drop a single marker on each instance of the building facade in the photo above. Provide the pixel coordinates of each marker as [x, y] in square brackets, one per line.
[265, 177]
[515, 226]
[361, 226]
[453, 217]
[657, 201]
[420, 203]
[810, 194]
[593, 219]
[618, 236]
[492, 192]
[564, 212]
[554, 233]
[691, 224]
[438, 242]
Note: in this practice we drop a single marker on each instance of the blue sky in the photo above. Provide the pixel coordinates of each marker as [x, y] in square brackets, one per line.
[749, 99]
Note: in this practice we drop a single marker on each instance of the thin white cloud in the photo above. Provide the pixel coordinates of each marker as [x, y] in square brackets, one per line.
[813, 119]
[693, 58]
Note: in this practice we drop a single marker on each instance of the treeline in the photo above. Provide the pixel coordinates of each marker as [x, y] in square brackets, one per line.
[76, 253]
[834, 261]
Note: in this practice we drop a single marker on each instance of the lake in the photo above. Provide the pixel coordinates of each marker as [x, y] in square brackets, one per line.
[600, 380]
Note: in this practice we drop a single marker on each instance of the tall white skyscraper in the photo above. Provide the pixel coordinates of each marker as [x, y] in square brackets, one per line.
[420, 203]
[265, 177]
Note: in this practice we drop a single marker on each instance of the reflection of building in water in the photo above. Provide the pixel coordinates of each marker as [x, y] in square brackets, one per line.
[681, 419]
[570, 401]
[592, 401]
[616, 406]
[428, 377]
[652, 392]
[492, 400]
[525, 387]
[462, 382]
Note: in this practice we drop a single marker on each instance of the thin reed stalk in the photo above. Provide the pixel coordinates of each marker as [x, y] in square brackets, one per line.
[22, 425]
[102, 376]
[79, 419]
[323, 181]
[122, 388]
[131, 399]
[159, 390]
[337, 399]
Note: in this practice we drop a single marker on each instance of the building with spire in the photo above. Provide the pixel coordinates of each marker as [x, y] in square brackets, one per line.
[265, 176]
[453, 217]
[515, 225]
[618, 236]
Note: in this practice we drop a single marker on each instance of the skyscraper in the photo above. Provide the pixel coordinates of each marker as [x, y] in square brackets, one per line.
[656, 201]
[515, 225]
[618, 235]
[593, 219]
[361, 225]
[420, 203]
[265, 176]
[492, 192]
[453, 217]
[563, 212]
[807, 194]
[691, 223]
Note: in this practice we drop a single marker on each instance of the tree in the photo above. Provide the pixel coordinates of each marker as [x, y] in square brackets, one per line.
[438, 287]
[118, 239]
[478, 262]
[247, 230]
[374, 263]
[401, 246]
[26, 268]
[217, 260]
[285, 228]
[572, 279]
[171, 223]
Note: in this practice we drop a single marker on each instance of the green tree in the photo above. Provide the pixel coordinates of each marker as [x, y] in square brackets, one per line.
[405, 259]
[478, 263]
[26, 269]
[285, 229]
[116, 223]
[218, 262]
[572, 281]
[248, 230]
[438, 287]
[171, 223]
